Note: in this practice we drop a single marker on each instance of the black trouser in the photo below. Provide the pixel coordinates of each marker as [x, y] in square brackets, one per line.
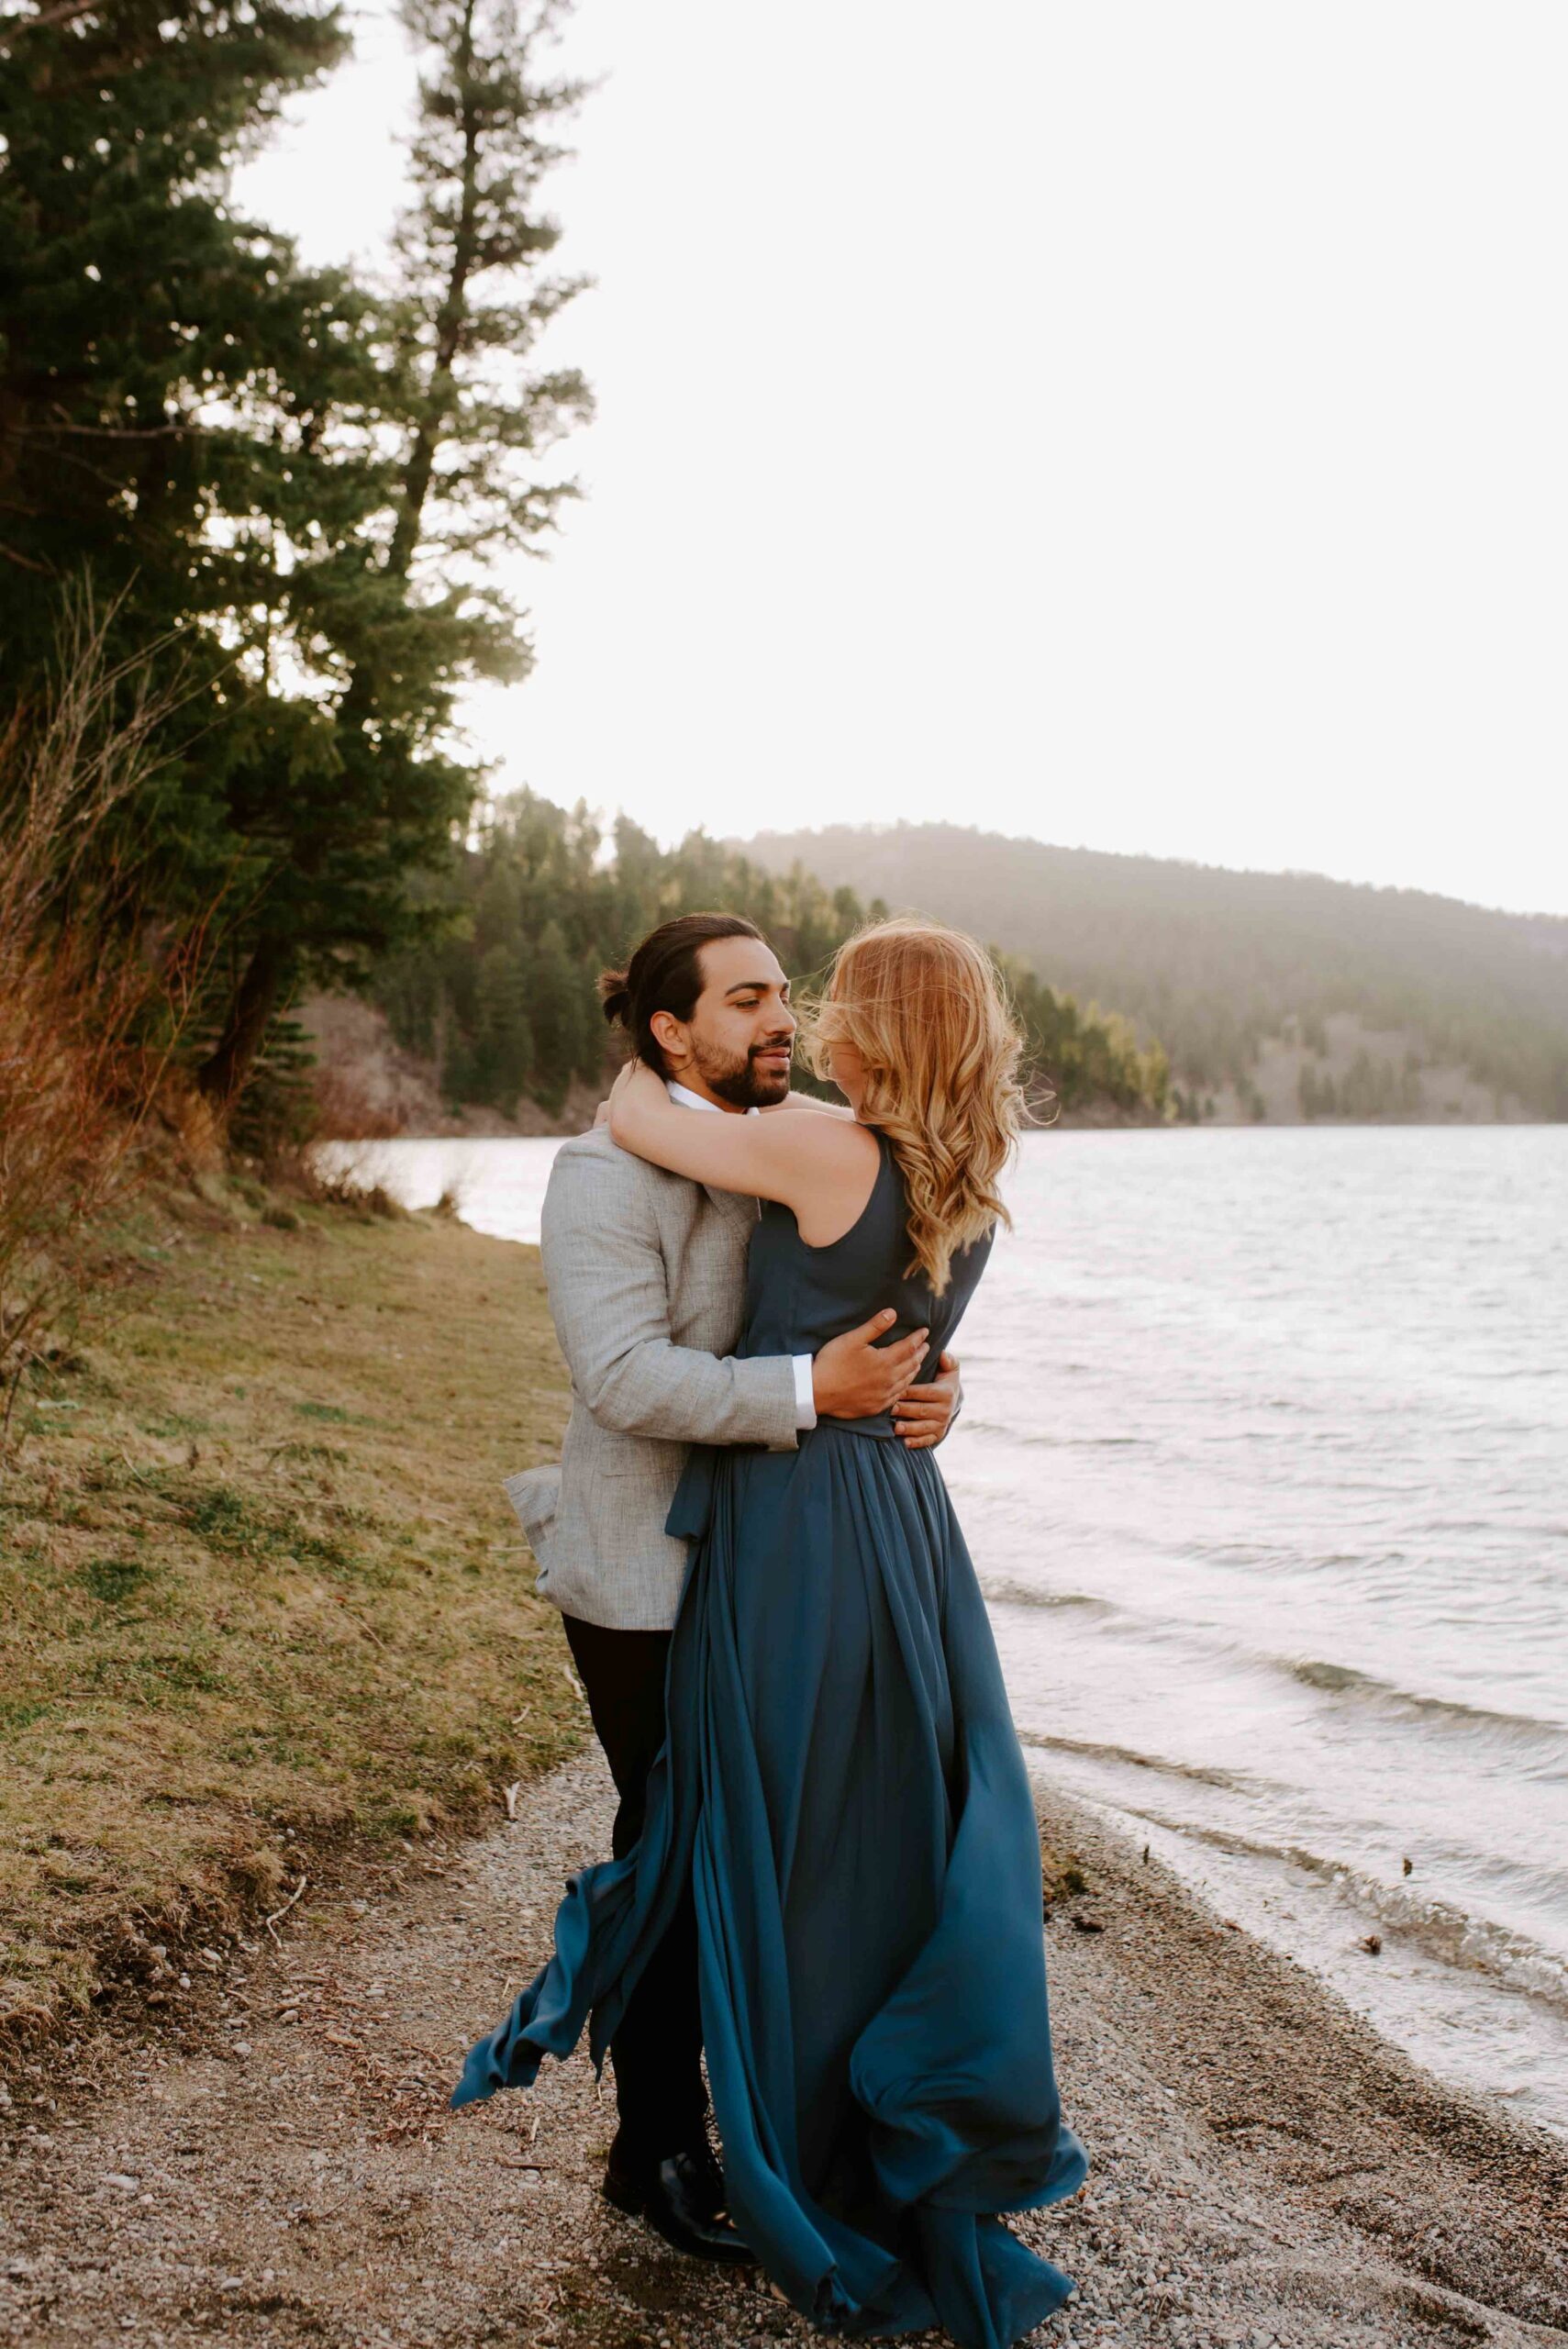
[657, 2051]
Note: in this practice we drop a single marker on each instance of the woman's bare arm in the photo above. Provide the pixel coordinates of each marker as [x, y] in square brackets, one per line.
[809, 1101]
[823, 1168]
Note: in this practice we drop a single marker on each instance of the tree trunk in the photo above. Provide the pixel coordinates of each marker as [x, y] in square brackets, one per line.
[449, 321]
[222, 1076]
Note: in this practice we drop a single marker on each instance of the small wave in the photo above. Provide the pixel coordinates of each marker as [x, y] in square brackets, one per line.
[1346, 1680]
[1018, 1594]
[1539, 1745]
[1334, 1676]
[1205, 1774]
[1038, 1440]
[1441, 1928]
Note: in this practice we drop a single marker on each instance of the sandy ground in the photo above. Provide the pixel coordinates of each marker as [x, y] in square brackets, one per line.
[270, 2159]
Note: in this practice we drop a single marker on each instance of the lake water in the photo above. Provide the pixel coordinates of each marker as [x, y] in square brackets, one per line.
[1265, 1466]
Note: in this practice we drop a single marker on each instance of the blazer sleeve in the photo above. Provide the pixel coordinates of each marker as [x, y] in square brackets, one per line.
[610, 1300]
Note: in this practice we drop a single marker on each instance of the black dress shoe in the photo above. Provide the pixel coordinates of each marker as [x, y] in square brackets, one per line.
[707, 2178]
[675, 2195]
[627, 2164]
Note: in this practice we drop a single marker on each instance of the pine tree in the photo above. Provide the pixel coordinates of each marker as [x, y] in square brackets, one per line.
[191, 419]
[503, 1049]
[263, 461]
[137, 316]
[473, 298]
[554, 996]
[471, 418]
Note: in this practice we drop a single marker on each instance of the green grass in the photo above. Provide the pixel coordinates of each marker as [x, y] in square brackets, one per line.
[231, 1647]
[113, 1579]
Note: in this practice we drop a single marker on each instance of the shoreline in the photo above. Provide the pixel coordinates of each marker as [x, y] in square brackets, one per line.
[1264, 2170]
[489, 1125]
[1457, 2016]
[1255, 2075]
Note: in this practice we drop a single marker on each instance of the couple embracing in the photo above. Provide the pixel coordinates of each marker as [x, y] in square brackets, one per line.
[825, 1871]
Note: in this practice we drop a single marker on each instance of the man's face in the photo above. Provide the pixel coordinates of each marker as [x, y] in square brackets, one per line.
[736, 1047]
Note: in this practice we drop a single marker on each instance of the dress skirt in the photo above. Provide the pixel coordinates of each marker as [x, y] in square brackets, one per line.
[843, 1780]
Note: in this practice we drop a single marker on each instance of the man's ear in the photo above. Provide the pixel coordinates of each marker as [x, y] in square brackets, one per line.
[669, 1034]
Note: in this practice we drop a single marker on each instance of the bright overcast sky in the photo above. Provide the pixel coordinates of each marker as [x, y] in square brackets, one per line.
[1134, 425]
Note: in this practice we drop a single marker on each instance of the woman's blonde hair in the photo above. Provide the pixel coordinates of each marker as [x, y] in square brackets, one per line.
[925, 1008]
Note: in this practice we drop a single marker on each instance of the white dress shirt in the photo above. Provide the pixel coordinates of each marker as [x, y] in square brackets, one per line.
[805, 1402]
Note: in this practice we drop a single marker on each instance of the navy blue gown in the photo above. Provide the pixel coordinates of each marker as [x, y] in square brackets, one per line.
[843, 1780]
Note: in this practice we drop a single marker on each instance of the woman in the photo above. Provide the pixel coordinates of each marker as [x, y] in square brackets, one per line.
[841, 1780]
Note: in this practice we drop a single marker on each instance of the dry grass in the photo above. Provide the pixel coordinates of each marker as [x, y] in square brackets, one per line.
[93, 996]
[261, 1594]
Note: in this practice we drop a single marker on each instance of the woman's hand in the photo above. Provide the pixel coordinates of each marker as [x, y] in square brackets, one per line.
[924, 1415]
[626, 1077]
[636, 1088]
[602, 1114]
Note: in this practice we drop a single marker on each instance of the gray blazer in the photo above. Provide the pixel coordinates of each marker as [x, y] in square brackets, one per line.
[647, 1278]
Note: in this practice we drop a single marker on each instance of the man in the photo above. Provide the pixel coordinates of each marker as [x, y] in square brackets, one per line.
[647, 1280]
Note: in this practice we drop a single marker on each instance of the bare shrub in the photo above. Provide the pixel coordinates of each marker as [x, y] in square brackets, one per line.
[365, 1201]
[92, 1000]
[348, 1109]
[301, 1173]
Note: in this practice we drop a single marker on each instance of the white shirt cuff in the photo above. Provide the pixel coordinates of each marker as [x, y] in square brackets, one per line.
[805, 1402]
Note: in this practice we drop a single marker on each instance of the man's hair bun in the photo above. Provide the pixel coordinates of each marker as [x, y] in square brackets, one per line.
[616, 996]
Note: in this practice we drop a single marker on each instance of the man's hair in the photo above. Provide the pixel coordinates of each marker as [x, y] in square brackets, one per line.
[665, 974]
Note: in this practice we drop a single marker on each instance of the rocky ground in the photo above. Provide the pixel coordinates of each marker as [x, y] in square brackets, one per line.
[268, 2157]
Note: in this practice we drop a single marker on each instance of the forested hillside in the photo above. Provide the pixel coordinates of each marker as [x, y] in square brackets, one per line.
[502, 1000]
[1330, 998]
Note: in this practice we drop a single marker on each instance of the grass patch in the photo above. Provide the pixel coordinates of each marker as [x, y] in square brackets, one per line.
[226, 1649]
[113, 1579]
[18, 1713]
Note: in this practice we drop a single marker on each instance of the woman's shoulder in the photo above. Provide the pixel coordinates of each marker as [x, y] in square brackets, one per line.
[837, 1144]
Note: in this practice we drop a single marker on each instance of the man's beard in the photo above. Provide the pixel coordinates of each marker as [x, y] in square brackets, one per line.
[740, 1082]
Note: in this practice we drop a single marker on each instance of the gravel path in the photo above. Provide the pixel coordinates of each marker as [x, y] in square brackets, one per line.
[269, 2158]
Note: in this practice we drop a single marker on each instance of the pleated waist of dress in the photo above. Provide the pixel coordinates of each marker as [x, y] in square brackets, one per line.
[691, 1511]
